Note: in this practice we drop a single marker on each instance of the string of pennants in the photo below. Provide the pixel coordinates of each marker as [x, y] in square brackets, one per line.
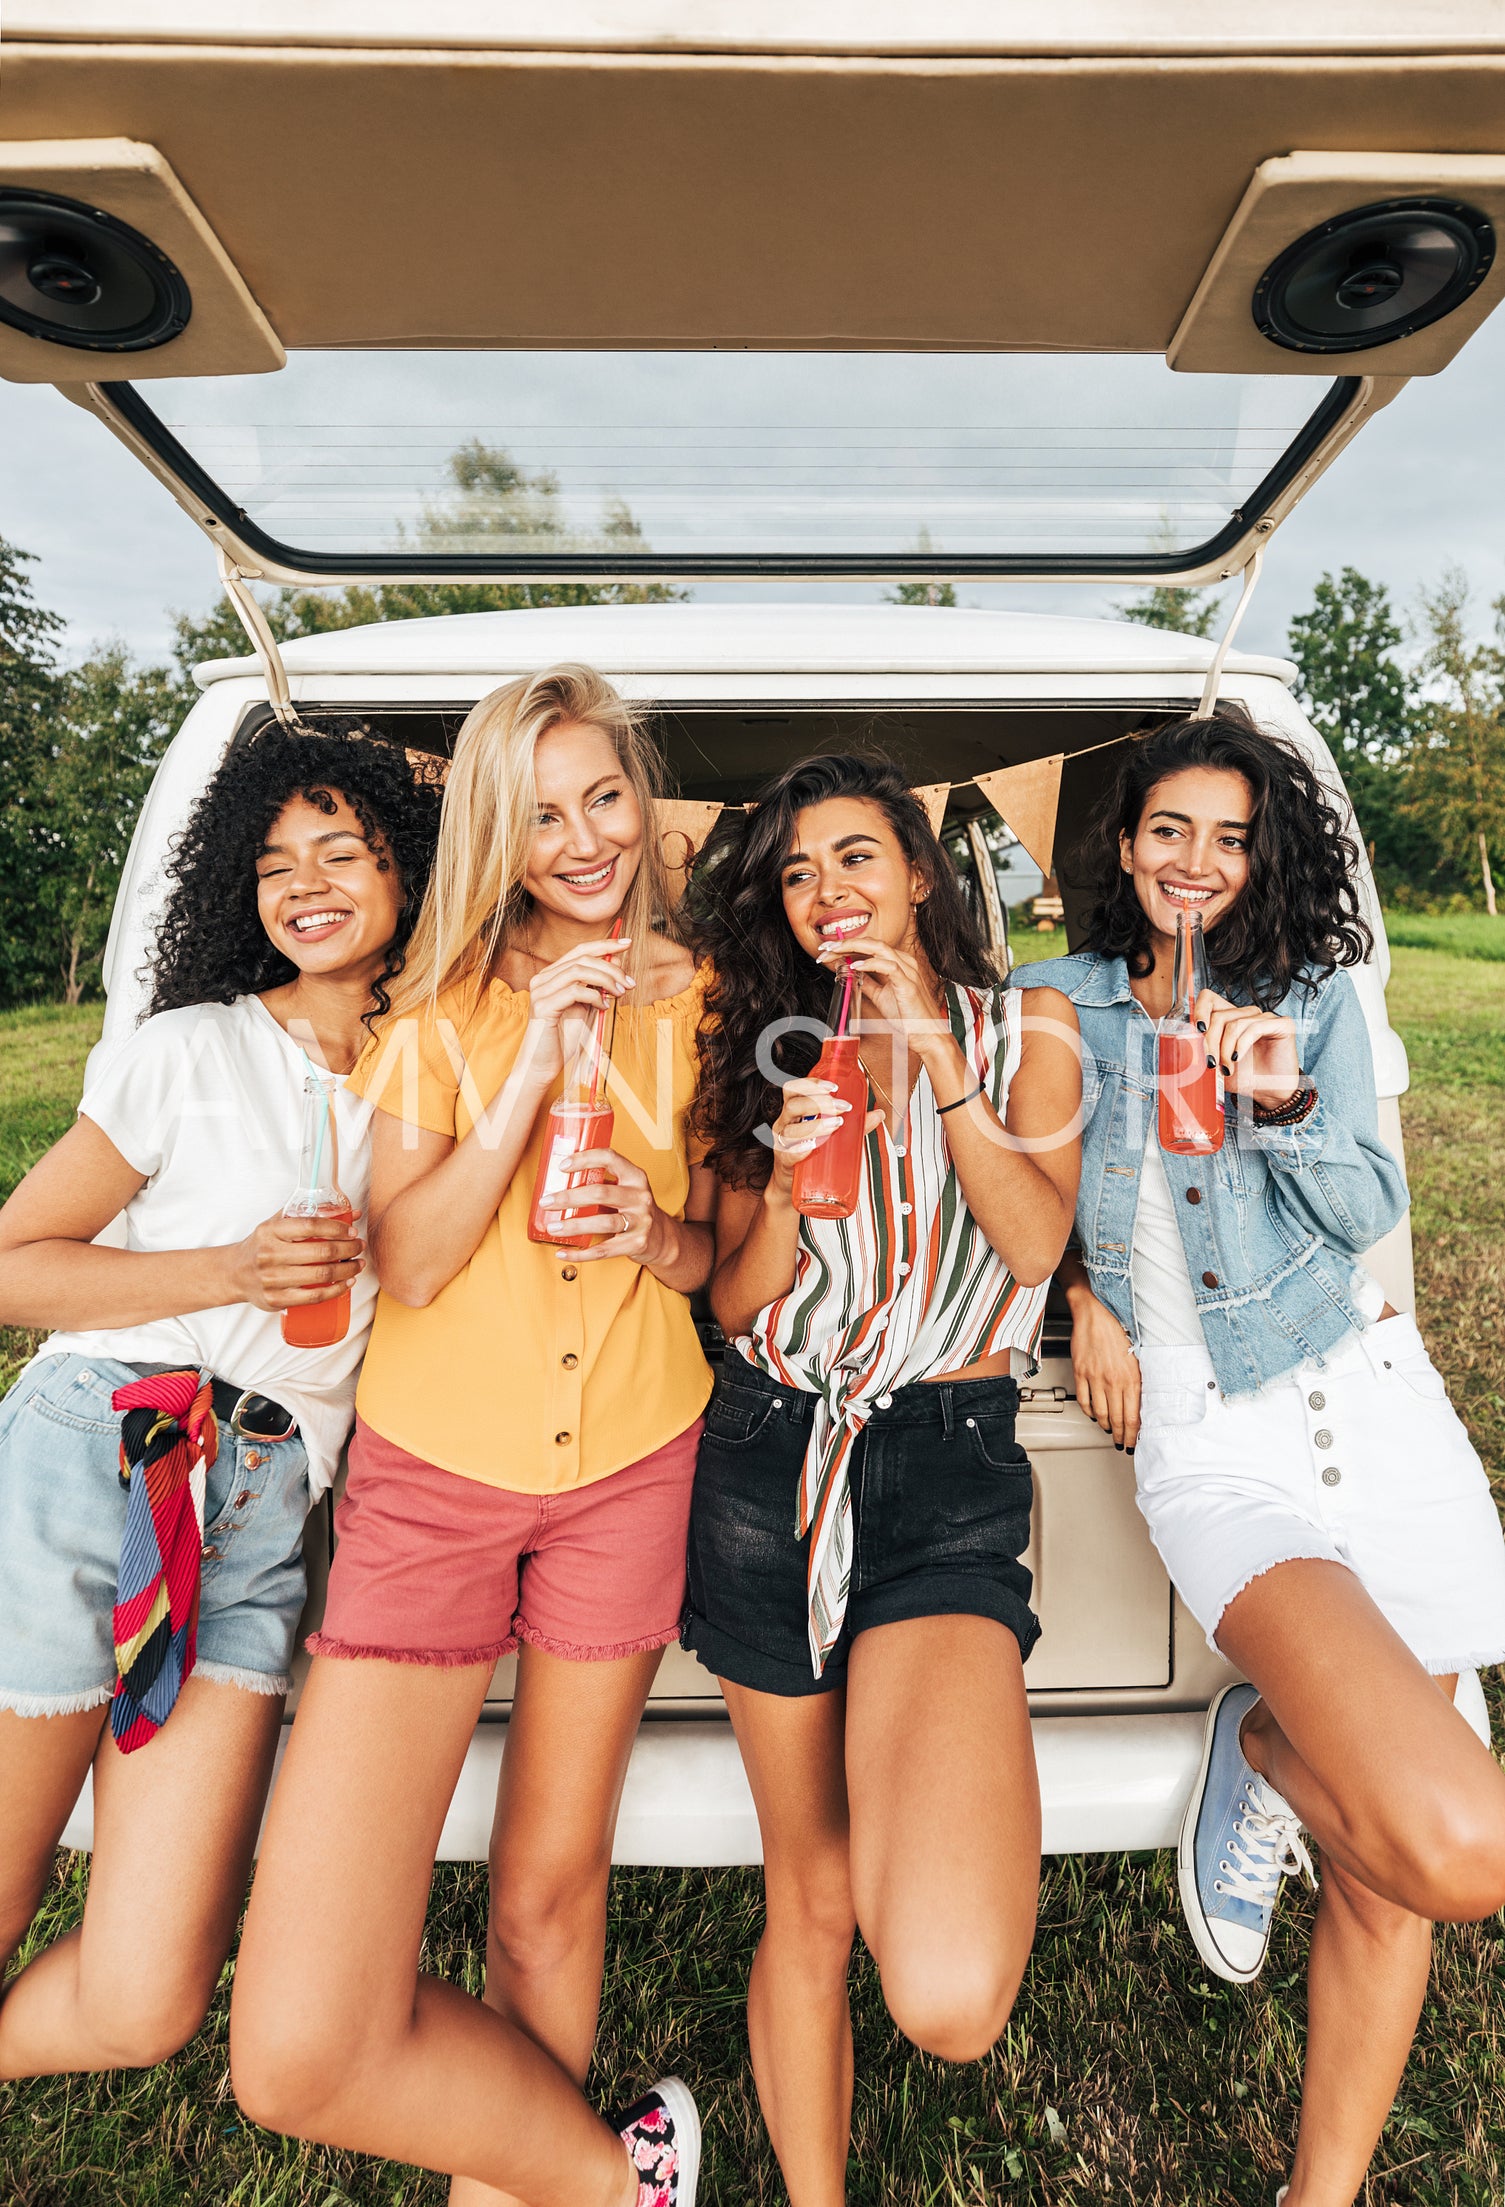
[1026, 799]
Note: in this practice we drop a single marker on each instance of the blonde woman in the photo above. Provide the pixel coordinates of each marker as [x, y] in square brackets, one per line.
[526, 1434]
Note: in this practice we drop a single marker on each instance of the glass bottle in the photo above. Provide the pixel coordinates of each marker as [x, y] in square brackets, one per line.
[582, 1119]
[1189, 1088]
[827, 1181]
[318, 1195]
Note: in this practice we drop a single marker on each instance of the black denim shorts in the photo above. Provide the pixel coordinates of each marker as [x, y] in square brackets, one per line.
[941, 1495]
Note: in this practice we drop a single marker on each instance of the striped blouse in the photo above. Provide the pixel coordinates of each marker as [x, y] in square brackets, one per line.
[908, 1286]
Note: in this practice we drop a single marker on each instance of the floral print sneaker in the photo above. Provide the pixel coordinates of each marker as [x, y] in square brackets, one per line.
[661, 2132]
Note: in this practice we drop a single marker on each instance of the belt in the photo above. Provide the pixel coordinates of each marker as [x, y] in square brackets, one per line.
[249, 1415]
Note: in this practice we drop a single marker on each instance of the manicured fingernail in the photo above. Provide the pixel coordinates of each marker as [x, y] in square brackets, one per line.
[1119, 1446]
[1235, 1057]
[1212, 1061]
[1225, 1068]
[1201, 1026]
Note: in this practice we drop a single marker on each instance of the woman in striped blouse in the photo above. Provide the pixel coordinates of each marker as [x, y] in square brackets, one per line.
[861, 1504]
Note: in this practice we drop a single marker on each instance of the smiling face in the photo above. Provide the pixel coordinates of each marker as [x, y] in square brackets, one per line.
[1190, 852]
[588, 843]
[847, 879]
[327, 899]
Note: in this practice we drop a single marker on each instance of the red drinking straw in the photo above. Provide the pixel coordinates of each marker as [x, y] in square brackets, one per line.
[598, 1066]
[846, 1004]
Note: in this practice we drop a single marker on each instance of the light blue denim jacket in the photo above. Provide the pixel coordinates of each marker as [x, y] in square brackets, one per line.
[1273, 1224]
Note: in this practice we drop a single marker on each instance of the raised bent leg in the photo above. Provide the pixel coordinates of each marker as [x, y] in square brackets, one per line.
[334, 2034]
[174, 1828]
[1408, 1808]
[568, 1745]
[1383, 1771]
[945, 1807]
[798, 2016]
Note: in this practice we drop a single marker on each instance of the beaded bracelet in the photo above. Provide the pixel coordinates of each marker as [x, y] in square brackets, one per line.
[942, 1109]
[1291, 1113]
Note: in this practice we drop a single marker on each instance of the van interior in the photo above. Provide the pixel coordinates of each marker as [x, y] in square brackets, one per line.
[1110, 1616]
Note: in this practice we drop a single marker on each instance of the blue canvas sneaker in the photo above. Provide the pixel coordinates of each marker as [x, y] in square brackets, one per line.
[1239, 1838]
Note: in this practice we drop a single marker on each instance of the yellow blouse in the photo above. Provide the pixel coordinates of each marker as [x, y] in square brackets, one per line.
[529, 1372]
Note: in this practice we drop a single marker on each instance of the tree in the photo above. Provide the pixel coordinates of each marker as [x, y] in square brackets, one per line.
[115, 722]
[1457, 777]
[1364, 701]
[1192, 612]
[922, 593]
[30, 695]
[489, 499]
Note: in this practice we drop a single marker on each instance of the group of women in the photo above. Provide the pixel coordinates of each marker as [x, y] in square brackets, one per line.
[542, 1462]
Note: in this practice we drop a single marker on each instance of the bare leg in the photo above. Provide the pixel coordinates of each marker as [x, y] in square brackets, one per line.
[1408, 1808]
[174, 1828]
[1365, 1986]
[1378, 1764]
[946, 1899]
[798, 2017]
[334, 2035]
[43, 1764]
[568, 1746]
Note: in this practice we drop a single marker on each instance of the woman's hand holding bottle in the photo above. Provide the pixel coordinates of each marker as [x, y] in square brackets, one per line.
[1255, 1050]
[812, 1111]
[286, 1261]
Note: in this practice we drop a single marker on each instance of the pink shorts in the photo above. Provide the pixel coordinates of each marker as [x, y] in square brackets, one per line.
[431, 1567]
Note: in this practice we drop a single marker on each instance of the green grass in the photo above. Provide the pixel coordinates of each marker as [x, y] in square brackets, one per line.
[1125, 2076]
[1464, 934]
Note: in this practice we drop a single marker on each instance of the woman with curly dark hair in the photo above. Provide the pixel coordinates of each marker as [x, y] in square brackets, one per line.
[1313, 1495]
[169, 1595]
[861, 1505]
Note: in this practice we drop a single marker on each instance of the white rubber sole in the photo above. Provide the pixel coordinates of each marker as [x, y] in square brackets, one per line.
[680, 2101]
[1186, 1867]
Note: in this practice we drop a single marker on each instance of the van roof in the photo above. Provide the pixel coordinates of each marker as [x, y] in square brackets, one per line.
[752, 639]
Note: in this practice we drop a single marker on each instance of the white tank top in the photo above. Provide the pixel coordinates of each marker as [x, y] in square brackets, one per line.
[1165, 1310]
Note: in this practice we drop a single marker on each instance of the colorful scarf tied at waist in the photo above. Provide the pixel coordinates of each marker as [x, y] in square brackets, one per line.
[168, 1439]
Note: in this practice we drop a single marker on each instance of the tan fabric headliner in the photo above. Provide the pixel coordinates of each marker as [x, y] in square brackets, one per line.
[466, 198]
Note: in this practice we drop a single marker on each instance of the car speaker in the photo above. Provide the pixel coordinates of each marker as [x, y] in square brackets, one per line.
[108, 269]
[78, 276]
[1367, 264]
[1374, 274]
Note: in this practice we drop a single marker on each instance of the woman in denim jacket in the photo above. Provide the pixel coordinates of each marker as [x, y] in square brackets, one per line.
[1312, 1492]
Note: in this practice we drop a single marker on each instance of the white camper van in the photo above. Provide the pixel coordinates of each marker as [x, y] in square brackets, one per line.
[656, 299]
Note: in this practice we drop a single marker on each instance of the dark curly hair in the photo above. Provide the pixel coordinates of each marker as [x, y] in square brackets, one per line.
[734, 912]
[211, 946]
[1298, 918]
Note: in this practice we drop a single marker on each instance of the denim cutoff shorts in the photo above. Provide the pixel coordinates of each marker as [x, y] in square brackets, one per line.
[62, 1513]
[941, 1495]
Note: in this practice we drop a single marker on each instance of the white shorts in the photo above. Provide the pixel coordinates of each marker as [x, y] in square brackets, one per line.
[1362, 1462]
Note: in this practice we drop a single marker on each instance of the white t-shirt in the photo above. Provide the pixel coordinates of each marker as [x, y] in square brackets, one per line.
[1165, 1309]
[208, 1103]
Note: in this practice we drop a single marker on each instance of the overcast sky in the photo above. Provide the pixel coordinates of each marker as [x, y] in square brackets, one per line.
[1422, 486]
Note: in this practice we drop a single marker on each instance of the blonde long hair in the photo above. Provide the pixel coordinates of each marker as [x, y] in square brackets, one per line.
[476, 900]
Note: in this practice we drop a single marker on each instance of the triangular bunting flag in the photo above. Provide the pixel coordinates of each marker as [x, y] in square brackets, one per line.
[683, 825]
[933, 795]
[1025, 799]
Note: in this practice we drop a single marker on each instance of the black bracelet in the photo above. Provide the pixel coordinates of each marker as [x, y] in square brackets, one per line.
[942, 1109]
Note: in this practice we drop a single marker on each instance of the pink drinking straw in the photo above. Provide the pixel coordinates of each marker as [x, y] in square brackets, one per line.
[598, 1064]
[846, 1004]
